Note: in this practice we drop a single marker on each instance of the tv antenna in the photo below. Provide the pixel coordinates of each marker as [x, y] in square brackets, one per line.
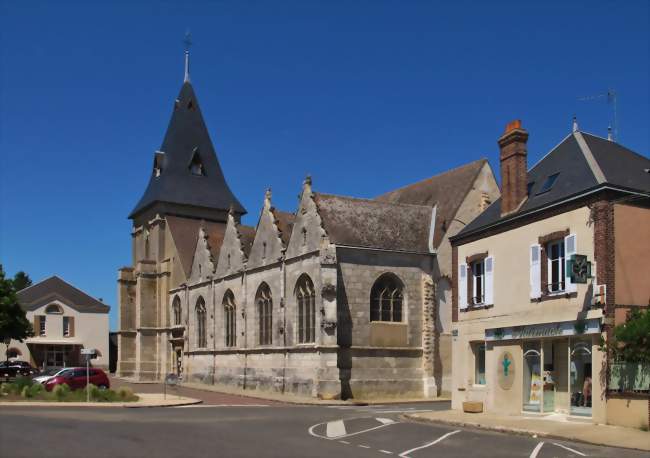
[611, 98]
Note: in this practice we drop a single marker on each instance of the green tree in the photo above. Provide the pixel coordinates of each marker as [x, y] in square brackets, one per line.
[13, 322]
[631, 340]
[21, 281]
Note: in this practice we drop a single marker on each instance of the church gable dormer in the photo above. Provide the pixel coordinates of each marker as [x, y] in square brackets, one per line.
[308, 233]
[272, 234]
[196, 164]
[236, 246]
[187, 152]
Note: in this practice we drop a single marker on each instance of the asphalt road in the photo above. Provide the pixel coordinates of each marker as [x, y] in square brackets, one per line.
[262, 429]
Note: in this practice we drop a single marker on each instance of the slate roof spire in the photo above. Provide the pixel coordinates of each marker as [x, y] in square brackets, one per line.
[188, 43]
[186, 178]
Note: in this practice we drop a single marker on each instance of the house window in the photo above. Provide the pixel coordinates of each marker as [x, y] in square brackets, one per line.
[548, 183]
[478, 282]
[41, 325]
[201, 338]
[66, 326]
[386, 298]
[176, 308]
[479, 364]
[53, 309]
[264, 303]
[306, 299]
[555, 255]
[230, 319]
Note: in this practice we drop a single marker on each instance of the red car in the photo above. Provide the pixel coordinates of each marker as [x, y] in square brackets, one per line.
[75, 378]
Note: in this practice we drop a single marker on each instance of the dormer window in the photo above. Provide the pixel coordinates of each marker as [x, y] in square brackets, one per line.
[548, 184]
[158, 163]
[196, 164]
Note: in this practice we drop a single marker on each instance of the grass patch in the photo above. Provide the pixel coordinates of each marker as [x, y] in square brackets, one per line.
[24, 389]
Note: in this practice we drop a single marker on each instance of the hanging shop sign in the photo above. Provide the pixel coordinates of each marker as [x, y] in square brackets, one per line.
[536, 331]
[579, 268]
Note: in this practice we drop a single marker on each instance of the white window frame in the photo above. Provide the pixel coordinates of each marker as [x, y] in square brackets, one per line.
[561, 261]
[66, 326]
[42, 326]
[478, 280]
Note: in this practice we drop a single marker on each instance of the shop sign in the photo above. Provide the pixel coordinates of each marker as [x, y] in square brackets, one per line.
[536, 331]
[505, 370]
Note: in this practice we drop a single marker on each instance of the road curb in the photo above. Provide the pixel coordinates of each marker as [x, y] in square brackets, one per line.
[110, 405]
[510, 430]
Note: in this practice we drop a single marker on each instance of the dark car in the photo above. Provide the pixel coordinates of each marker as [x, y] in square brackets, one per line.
[75, 378]
[12, 369]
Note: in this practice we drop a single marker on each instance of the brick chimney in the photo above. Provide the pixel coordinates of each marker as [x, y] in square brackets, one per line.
[514, 186]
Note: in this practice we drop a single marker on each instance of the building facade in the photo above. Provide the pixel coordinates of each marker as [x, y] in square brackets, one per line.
[545, 273]
[65, 320]
[344, 297]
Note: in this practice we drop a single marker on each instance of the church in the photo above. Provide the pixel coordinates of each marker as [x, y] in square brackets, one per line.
[339, 298]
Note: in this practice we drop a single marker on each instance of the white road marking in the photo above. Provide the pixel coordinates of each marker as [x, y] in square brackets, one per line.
[386, 452]
[440, 439]
[313, 427]
[363, 446]
[344, 442]
[335, 429]
[204, 406]
[536, 450]
[398, 411]
[569, 449]
[385, 421]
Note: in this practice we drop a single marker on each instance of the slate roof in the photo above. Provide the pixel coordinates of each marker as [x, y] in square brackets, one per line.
[584, 162]
[374, 224]
[52, 288]
[247, 237]
[284, 222]
[448, 190]
[216, 232]
[186, 136]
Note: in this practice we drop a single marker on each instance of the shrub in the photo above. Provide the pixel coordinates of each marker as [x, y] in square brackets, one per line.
[4, 389]
[25, 392]
[93, 390]
[61, 391]
[22, 382]
[36, 390]
[125, 393]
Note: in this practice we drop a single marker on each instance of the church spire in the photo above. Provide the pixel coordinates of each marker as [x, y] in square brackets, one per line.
[188, 42]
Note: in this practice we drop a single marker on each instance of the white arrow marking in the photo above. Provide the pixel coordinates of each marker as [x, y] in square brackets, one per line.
[440, 439]
[536, 450]
[335, 429]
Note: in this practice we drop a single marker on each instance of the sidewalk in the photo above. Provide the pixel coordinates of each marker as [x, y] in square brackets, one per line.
[304, 400]
[557, 426]
[146, 400]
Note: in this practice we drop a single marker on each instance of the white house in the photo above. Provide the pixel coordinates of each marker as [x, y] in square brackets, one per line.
[65, 320]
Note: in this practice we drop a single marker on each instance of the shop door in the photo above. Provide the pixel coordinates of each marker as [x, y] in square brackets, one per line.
[580, 378]
[532, 377]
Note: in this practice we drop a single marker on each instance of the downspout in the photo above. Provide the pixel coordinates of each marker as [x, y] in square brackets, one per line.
[245, 318]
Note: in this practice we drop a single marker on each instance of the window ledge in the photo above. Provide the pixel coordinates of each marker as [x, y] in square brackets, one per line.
[558, 295]
[389, 323]
[471, 308]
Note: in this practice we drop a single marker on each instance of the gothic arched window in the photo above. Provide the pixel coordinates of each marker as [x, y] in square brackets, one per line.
[230, 318]
[306, 301]
[264, 303]
[201, 339]
[176, 309]
[386, 298]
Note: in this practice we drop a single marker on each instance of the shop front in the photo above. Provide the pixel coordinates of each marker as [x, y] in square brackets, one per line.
[559, 365]
[53, 354]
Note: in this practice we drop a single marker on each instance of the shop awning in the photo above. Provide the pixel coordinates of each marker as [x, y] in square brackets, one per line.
[46, 341]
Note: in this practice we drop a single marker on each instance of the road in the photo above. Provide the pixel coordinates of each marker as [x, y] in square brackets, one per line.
[228, 427]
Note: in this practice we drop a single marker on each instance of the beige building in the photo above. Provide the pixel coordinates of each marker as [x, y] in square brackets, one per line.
[65, 320]
[544, 273]
[342, 297]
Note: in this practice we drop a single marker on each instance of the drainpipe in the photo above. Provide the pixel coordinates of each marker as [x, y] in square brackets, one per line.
[245, 319]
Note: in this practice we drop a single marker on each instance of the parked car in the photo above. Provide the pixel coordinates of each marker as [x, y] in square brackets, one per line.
[75, 378]
[12, 369]
[47, 374]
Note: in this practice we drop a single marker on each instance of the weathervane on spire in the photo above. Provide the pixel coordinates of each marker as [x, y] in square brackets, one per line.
[187, 42]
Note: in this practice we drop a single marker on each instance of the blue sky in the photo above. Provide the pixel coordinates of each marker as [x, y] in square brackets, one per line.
[366, 96]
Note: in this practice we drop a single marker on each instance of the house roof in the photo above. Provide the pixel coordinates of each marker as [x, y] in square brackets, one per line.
[55, 288]
[187, 139]
[216, 232]
[284, 222]
[374, 224]
[583, 162]
[446, 190]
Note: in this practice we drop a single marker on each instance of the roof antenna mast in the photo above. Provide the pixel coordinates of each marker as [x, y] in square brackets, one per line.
[187, 42]
[611, 98]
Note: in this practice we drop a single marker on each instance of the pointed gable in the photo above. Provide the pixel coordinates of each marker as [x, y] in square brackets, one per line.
[184, 233]
[206, 254]
[237, 240]
[186, 171]
[307, 232]
[269, 245]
